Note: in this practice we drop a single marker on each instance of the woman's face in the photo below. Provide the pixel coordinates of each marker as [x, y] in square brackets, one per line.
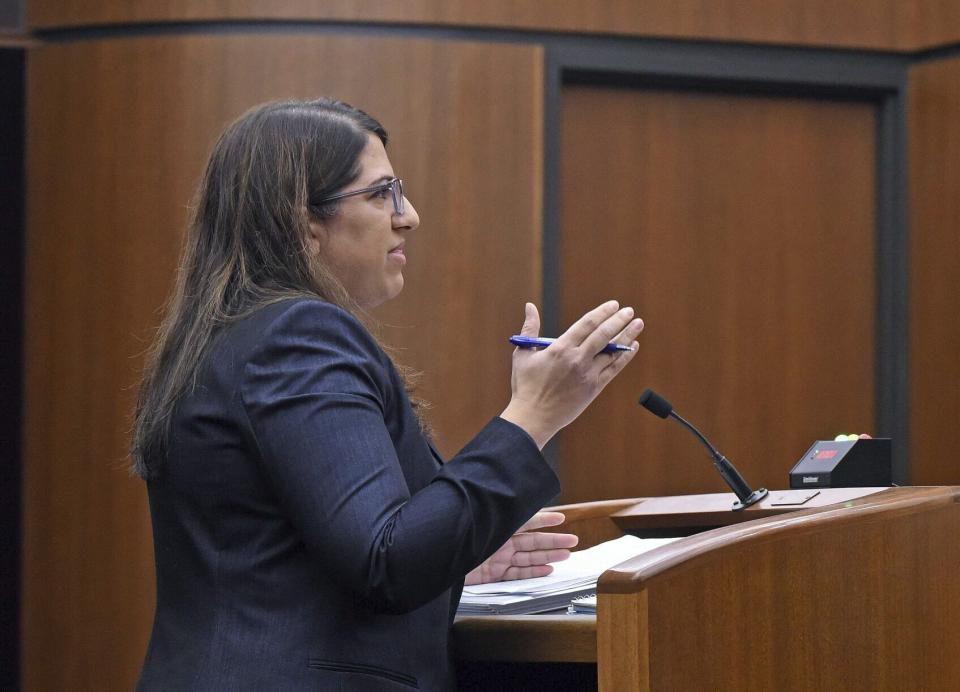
[363, 243]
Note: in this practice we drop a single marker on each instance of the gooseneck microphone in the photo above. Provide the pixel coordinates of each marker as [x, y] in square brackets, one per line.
[659, 406]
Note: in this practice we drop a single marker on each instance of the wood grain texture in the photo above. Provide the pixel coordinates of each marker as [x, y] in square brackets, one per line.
[623, 642]
[119, 131]
[863, 597]
[742, 230]
[869, 24]
[593, 522]
[934, 272]
[526, 638]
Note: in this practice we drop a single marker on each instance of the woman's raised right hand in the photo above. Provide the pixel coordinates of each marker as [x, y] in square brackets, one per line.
[552, 386]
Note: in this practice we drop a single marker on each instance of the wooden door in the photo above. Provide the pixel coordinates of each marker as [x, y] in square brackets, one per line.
[742, 229]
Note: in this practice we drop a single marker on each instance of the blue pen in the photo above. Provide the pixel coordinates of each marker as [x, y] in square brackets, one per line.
[542, 342]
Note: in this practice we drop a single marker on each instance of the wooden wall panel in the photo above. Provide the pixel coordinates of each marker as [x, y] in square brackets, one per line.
[870, 24]
[118, 132]
[934, 112]
[742, 230]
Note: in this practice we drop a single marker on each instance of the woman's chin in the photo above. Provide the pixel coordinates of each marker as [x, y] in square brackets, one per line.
[396, 287]
[391, 291]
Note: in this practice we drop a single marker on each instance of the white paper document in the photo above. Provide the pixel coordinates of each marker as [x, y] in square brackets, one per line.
[571, 578]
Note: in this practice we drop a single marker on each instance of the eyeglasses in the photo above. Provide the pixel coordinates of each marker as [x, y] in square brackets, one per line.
[394, 186]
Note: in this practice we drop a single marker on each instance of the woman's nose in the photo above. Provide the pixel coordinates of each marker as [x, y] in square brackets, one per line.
[408, 220]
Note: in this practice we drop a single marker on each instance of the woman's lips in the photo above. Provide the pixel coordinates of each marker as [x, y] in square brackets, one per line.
[397, 254]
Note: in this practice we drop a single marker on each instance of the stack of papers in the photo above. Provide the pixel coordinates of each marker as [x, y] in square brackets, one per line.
[571, 578]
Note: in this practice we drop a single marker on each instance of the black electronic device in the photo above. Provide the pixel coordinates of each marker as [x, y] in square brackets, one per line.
[863, 463]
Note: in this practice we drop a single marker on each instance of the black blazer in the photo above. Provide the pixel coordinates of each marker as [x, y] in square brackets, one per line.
[307, 536]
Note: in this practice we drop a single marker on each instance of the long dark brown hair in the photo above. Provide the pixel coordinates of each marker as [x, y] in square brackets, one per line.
[246, 243]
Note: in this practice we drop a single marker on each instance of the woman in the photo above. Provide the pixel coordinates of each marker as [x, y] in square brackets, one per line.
[306, 534]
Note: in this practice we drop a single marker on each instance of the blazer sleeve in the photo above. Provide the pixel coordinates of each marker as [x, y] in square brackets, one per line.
[316, 393]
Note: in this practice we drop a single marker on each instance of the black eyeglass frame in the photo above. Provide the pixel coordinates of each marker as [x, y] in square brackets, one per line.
[394, 185]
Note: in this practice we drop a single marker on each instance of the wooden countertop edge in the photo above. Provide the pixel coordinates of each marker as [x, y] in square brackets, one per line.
[630, 576]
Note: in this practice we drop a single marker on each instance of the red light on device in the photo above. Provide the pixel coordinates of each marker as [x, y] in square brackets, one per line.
[826, 454]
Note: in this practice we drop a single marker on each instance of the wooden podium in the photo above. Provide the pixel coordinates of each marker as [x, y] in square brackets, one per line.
[858, 589]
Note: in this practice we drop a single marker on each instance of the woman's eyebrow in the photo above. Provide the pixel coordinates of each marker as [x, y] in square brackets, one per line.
[381, 179]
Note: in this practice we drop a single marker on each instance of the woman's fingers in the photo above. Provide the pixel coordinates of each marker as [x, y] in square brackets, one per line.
[607, 331]
[538, 557]
[512, 573]
[537, 541]
[541, 520]
[630, 333]
[531, 320]
[588, 324]
[627, 337]
[600, 326]
[613, 367]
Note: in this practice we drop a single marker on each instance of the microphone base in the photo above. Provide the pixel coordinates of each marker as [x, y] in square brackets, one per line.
[755, 496]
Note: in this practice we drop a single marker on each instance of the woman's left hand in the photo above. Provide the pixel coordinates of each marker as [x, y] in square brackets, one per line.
[527, 552]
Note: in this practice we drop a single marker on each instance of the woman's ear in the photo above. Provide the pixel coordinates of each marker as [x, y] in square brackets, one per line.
[316, 232]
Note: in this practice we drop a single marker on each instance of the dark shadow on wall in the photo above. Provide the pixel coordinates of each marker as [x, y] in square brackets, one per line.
[12, 61]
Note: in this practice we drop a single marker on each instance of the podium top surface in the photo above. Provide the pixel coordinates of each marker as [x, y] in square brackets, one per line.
[713, 510]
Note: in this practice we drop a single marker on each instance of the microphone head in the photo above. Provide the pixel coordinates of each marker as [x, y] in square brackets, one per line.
[655, 403]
